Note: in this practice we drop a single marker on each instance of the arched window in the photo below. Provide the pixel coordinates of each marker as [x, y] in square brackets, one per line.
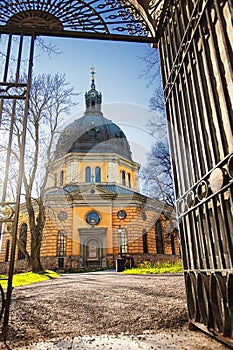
[23, 240]
[123, 177]
[144, 241]
[129, 180]
[97, 174]
[173, 244]
[88, 174]
[7, 250]
[62, 178]
[159, 237]
[61, 243]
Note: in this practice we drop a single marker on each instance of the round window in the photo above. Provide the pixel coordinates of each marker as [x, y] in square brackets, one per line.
[93, 218]
[121, 214]
[62, 216]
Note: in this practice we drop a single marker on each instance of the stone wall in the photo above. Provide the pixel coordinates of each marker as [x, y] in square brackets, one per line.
[72, 262]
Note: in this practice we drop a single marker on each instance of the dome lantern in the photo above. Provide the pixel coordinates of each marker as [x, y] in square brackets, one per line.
[93, 98]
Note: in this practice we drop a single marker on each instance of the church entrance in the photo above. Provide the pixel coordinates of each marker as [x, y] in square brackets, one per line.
[93, 250]
[92, 247]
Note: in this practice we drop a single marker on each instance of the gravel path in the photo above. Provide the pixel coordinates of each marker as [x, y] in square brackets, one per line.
[93, 306]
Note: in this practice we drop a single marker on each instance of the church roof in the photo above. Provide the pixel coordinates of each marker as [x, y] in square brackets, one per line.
[93, 132]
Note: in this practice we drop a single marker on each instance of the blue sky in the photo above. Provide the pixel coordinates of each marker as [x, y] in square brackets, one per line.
[118, 69]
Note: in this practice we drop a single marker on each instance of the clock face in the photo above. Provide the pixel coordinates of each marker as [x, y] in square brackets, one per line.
[62, 215]
[121, 215]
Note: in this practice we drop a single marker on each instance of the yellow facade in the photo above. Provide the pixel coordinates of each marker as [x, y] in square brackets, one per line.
[94, 210]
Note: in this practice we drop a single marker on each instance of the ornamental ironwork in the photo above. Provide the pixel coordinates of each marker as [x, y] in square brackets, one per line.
[91, 16]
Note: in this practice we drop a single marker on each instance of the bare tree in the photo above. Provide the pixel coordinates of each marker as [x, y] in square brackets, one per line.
[156, 176]
[50, 100]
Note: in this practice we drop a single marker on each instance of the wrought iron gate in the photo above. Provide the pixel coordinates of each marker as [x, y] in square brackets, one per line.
[196, 59]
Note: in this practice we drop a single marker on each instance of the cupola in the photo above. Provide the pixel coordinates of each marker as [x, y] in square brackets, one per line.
[93, 98]
[93, 133]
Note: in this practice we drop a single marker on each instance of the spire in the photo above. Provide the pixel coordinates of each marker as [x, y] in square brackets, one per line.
[93, 97]
[93, 78]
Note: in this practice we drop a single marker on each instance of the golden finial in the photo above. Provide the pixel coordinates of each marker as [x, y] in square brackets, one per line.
[93, 74]
[93, 78]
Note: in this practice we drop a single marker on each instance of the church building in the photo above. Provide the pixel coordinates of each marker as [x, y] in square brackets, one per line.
[95, 211]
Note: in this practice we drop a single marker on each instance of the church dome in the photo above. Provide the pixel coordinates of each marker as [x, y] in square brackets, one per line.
[93, 132]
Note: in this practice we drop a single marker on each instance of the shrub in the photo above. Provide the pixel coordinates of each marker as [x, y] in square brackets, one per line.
[156, 268]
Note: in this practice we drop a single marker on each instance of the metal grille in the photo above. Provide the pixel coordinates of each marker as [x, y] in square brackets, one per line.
[196, 55]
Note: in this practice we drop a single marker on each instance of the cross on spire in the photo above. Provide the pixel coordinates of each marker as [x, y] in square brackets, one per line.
[93, 78]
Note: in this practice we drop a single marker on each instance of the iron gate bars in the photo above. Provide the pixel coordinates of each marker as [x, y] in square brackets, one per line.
[14, 87]
[196, 61]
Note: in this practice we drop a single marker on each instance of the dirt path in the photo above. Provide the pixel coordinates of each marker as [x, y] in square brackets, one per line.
[98, 305]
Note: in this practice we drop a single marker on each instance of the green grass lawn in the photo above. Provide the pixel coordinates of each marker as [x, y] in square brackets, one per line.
[157, 268]
[23, 279]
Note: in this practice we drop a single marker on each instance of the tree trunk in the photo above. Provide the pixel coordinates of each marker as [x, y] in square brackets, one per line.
[36, 263]
[35, 249]
[36, 230]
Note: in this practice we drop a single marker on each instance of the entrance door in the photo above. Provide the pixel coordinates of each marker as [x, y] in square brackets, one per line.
[93, 252]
